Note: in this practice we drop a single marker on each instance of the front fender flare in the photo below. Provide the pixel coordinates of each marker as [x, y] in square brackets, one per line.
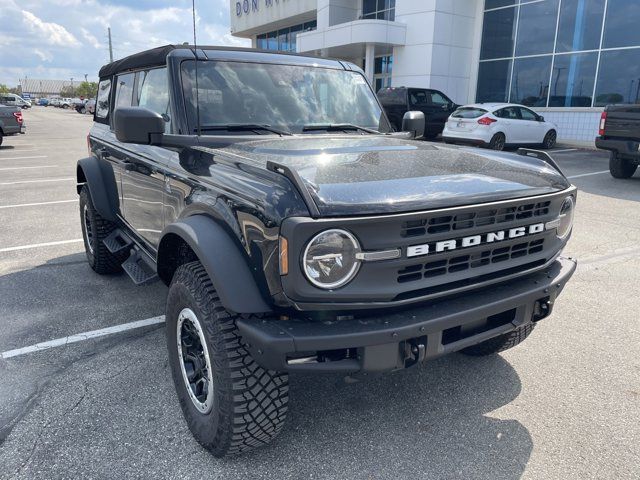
[223, 260]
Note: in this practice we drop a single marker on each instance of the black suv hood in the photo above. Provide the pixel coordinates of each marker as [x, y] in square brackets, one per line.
[356, 175]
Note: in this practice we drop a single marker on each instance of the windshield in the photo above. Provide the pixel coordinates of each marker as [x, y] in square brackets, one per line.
[284, 97]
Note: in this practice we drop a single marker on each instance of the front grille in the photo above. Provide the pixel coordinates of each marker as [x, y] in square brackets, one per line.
[480, 218]
[459, 263]
[491, 252]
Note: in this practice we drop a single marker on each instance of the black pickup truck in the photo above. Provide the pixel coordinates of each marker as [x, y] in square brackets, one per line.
[620, 134]
[297, 233]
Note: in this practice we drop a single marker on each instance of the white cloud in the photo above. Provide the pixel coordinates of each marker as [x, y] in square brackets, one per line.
[52, 33]
[59, 39]
[93, 41]
[44, 55]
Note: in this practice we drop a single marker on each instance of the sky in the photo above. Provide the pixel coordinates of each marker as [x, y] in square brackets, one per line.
[64, 39]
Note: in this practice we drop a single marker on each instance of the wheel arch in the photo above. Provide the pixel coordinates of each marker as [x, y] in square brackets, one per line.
[201, 238]
[102, 186]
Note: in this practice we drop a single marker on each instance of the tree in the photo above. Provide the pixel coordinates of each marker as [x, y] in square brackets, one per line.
[83, 90]
[4, 88]
[87, 90]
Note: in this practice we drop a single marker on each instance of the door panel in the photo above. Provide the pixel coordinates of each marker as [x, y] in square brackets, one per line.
[535, 130]
[142, 191]
[511, 124]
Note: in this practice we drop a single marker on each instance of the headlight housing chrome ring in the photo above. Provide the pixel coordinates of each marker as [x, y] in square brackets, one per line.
[565, 219]
[330, 259]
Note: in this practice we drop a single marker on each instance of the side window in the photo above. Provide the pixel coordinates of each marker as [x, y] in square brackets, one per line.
[510, 113]
[528, 115]
[418, 97]
[102, 99]
[153, 92]
[124, 90]
[438, 99]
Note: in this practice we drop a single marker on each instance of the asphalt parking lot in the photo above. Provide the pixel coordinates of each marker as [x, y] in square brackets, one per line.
[564, 404]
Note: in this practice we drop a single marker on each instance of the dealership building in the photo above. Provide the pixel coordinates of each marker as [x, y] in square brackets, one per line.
[567, 59]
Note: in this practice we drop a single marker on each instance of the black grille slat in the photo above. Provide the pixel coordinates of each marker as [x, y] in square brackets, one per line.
[471, 220]
[461, 263]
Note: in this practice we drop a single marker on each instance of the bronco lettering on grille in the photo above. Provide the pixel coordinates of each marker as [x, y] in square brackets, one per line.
[473, 240]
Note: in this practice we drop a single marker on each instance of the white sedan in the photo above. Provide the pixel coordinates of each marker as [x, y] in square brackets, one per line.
[497, 125]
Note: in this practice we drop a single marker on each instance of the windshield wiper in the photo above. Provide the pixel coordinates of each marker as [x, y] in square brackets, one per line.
[243, 127]
[332, 127]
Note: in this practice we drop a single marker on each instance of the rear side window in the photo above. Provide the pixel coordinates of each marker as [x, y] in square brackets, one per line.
[153, 92]
[468, 112]
[102, 99]
[392, 96]
[508, 112]
[418, 97]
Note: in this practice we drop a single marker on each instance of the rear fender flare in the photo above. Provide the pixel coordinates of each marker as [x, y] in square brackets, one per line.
[223, 259]
[102, 186]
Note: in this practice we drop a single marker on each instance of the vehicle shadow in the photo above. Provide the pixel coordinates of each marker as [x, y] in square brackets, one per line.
[429, 422]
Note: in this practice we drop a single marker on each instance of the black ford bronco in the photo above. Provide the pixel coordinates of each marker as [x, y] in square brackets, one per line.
[297, 232]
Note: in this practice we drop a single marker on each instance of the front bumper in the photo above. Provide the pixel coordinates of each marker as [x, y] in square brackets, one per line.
[400, 339]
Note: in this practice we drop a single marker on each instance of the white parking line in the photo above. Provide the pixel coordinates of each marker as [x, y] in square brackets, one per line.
[39, 245]
[30, 166]
[589, 174]
[80, 337]
[38, 203]
[65, 179]
[563, 150]
[23, 158]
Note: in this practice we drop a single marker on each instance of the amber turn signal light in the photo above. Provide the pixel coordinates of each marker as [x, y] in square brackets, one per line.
[284, 256]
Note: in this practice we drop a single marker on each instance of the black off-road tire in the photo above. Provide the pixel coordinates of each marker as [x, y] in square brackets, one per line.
[621, 167]
[100, 259]
[1, 137]
[249, 402]
[550, 140]
[501, 343]
[497, 142]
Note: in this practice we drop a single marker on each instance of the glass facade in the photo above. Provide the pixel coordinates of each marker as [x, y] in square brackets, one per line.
[560, 53]
[382, 72]
[379, 9]
[284, 39]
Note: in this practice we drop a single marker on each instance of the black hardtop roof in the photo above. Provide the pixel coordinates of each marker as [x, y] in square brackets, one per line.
[156, 57]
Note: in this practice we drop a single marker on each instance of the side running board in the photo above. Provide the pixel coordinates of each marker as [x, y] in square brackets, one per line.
[139, 268]
[117, 242]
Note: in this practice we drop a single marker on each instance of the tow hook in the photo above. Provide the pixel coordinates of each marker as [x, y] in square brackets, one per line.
[542, 309]
[415, 351]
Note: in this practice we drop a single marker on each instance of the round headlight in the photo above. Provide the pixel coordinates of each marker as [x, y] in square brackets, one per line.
[330, 259]
[565, 218]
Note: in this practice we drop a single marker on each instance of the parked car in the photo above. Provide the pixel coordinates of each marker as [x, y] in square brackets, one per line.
[497, 125]
[11, 121]
[90, 106]
[43, 102]
[55, 102]
[13, 100]
[67, 103]
[297, 233]
[620, 134]
[435, 105]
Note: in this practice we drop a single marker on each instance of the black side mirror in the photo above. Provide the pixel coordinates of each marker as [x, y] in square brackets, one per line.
[540, 118]
[414, 122]
[138, 125]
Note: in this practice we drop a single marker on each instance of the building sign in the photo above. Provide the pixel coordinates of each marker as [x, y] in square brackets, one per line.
[243, 7]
